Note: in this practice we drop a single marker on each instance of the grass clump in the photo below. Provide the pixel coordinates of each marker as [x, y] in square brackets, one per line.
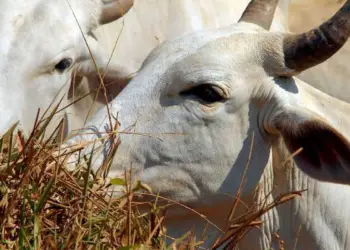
[45, 206]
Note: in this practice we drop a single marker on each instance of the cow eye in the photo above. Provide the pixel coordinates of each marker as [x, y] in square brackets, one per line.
[64, 64]
[206, 92]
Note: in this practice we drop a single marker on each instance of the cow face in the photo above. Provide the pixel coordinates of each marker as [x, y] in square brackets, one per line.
[42, 41]
[205, 110]
[194, 108]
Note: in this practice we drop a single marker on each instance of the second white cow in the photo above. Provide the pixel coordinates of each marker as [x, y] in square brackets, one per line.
[40, 43]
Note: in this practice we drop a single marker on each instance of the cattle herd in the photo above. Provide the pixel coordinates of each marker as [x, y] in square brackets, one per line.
[207, 92]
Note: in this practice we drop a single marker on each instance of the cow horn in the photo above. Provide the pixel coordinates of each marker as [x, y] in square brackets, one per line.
[114, 9]
[306, 50]
[260, 12]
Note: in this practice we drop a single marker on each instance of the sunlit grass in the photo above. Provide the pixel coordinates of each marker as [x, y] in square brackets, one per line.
[45, 206]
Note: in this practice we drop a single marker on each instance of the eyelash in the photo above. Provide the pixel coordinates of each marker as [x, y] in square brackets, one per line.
[205, 92]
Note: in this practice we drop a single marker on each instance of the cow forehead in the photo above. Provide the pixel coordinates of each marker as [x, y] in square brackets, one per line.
[200, 54]
[175, 50]
[19, 18]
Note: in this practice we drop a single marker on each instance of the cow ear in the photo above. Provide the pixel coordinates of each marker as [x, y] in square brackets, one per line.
[113, 81]
[114, 9]
[325, 153]
[114, 78]
[114, 75]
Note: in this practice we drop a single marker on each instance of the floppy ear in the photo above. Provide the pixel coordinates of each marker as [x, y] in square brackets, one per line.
[114, 9]
[115, 77]
[114, 80]
[325, 153]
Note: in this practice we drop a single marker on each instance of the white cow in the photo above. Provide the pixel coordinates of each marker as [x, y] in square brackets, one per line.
[40, 43]
[144, 27]
[151, 22]
[221, 89]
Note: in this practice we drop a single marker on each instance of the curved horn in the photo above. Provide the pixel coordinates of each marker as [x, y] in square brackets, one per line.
[114, 9]
[306, 50]
[260, 12]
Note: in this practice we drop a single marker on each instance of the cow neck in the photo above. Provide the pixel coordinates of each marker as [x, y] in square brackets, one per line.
[319, 218]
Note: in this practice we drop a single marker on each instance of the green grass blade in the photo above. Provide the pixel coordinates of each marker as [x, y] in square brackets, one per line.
[44, 196]
[21, 229]
[36, 232]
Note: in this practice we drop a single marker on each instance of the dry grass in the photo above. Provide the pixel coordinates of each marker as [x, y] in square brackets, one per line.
[44, 206]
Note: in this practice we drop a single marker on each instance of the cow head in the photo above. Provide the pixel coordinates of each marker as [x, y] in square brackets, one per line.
[204, 105]
[41, 42]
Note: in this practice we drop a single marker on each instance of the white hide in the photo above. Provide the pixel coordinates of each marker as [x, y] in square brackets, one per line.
[202, 161]
[151, 22]
[36, 35]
